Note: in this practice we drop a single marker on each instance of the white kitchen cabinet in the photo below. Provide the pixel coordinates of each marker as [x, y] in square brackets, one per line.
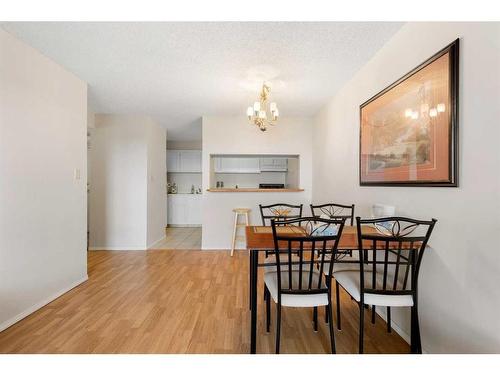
[190, 161]
[173, 164]
[184, 161]
[226, 165]
[249, 165]
[273, 164]
[184, 209]
[236, 165]
[174, 209]
[193, 216]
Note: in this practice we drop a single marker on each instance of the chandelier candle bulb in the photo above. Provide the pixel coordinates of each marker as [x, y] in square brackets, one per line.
[408, 113]
[433, 112]
[441, 107]
[258, 114]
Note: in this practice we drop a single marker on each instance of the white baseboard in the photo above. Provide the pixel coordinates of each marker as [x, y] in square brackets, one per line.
[116, 248]
[39, 305]
[156, 242]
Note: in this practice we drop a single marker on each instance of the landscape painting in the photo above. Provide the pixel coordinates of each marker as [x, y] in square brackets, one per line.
[408, 131]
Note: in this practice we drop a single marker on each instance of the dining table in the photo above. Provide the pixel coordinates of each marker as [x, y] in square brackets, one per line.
[259, 239]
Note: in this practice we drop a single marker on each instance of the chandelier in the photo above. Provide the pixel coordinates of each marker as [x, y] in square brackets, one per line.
[262, 115]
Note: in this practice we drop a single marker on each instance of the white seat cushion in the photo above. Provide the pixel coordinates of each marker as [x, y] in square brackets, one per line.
[295, 300]
[350, 282]
[339, 266]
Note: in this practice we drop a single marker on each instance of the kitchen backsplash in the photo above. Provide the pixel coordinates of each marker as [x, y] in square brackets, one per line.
[184, 181]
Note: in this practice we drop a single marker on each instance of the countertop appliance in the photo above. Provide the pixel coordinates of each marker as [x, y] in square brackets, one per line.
[271, 186]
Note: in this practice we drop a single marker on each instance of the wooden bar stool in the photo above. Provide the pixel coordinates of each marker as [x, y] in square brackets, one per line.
[237, 213]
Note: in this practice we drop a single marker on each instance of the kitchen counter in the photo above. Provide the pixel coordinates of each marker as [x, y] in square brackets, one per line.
[252, 190]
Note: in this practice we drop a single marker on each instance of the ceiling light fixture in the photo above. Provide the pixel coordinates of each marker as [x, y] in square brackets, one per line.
[258, 114]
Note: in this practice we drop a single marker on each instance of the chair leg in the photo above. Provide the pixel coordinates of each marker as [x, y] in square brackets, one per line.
[361, 326]
[337, 297]
[250, 283]
[373, 314]
[416, 344]
[278, 327]
[268, 309]
[332, 333]
[315, 318]
[389, 319]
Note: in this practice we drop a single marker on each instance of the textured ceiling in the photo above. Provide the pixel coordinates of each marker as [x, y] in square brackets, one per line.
[178, 72]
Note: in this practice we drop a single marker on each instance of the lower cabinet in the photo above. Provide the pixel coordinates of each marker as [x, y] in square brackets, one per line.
[184, 209]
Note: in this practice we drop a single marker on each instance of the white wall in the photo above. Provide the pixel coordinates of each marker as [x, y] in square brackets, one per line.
[459, 294]
[124, 148]
[234, 135]
[90, 118]
[157, 183]
[90, 129]
[43, 123]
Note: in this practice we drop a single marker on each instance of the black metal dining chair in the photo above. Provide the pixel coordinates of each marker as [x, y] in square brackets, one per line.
[334, 211]
[276, 211]
[302, 285]
[338, 211]
[390, 255]
[279, 211]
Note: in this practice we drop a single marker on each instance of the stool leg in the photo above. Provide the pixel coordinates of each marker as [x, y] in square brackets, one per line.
[234, 232]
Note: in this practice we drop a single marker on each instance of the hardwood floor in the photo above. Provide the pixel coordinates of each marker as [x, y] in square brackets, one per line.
[176, 301]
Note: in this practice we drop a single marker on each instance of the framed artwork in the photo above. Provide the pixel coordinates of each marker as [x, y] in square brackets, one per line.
[409, 131]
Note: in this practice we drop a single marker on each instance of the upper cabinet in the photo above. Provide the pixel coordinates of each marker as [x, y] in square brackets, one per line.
[273, 164]
[236, 165]
[187, 161]
[173, 161]
[190, 161]
[242, 164]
